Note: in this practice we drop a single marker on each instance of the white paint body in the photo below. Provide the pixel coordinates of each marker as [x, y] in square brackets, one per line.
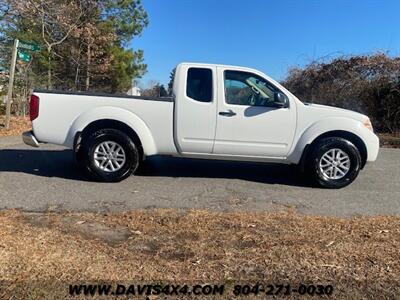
[189, 128]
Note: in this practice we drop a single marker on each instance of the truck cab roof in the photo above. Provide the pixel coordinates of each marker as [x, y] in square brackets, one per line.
[208, 65]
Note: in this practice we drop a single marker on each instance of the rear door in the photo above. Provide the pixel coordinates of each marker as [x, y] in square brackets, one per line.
[195, 109]
[248, 124]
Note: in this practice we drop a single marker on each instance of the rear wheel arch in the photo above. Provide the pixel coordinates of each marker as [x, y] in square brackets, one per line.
[106, 124]
[351, 137]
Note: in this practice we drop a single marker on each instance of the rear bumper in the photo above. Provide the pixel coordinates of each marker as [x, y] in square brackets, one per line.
[29, 138]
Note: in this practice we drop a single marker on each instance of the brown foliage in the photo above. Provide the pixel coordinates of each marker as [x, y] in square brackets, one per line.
[368, 84]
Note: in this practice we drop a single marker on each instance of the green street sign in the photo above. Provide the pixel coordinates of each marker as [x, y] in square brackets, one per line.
[29, 46]
[24, 56]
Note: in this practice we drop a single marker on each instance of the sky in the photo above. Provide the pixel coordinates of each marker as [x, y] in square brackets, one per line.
[268, 35]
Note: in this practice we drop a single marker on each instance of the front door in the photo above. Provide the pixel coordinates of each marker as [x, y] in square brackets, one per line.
[248, 121]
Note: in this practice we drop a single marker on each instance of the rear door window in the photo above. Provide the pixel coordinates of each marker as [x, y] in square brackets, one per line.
[199, 85]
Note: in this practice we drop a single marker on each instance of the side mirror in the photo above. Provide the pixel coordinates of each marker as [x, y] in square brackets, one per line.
[281, 100]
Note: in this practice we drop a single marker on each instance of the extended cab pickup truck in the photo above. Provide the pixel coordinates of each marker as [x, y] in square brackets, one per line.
[216, 112]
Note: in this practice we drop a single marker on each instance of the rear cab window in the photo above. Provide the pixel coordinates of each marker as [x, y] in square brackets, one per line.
[199, 85]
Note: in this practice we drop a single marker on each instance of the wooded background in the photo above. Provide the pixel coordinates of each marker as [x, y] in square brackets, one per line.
[84, 45]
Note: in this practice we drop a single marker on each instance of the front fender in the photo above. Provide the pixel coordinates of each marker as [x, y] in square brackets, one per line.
[318, 128]
[117, 114]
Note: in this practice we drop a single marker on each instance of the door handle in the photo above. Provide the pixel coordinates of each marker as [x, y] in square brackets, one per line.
[229, 113]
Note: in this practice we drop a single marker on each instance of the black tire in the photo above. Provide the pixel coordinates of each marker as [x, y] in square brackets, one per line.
[322, 147]
[129, 166]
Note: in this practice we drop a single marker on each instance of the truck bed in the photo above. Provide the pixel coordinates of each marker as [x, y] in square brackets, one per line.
[65, 113]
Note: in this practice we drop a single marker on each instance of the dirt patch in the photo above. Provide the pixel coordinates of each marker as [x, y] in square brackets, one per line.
[41, 254]
[91, 230]
[17, 126]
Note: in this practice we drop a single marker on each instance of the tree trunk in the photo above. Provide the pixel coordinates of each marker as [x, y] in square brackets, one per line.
[88, 68]
[49, 85]
[77, 87]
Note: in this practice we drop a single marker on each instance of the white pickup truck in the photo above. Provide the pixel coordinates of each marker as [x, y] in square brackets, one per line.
[216, 112]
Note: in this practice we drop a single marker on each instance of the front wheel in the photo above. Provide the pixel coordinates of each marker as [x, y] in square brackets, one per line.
[334, 162]
[110, 155]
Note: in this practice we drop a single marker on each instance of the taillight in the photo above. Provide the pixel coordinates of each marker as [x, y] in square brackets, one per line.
[34, 107]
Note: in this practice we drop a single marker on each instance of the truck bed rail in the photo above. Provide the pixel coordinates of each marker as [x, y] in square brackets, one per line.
[99, 94]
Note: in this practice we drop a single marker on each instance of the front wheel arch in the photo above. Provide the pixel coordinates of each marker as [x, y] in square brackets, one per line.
[351, 137]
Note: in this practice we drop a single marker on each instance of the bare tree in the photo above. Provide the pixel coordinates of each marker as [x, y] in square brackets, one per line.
[57, 19]
[154, 89]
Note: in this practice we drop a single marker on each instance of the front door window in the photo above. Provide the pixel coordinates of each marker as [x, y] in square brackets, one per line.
[243, 88]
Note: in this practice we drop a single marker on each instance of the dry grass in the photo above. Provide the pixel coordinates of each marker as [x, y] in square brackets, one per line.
[41, 254]
[17, 126]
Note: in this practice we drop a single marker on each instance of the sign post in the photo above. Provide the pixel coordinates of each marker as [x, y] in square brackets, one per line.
[11, 83]
[24, 56]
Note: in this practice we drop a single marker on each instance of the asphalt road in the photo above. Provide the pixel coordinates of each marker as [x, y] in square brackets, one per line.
[47, 179]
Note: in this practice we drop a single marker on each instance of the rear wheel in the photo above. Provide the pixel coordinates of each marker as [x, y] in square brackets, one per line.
[110, 155]
[334, 162]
